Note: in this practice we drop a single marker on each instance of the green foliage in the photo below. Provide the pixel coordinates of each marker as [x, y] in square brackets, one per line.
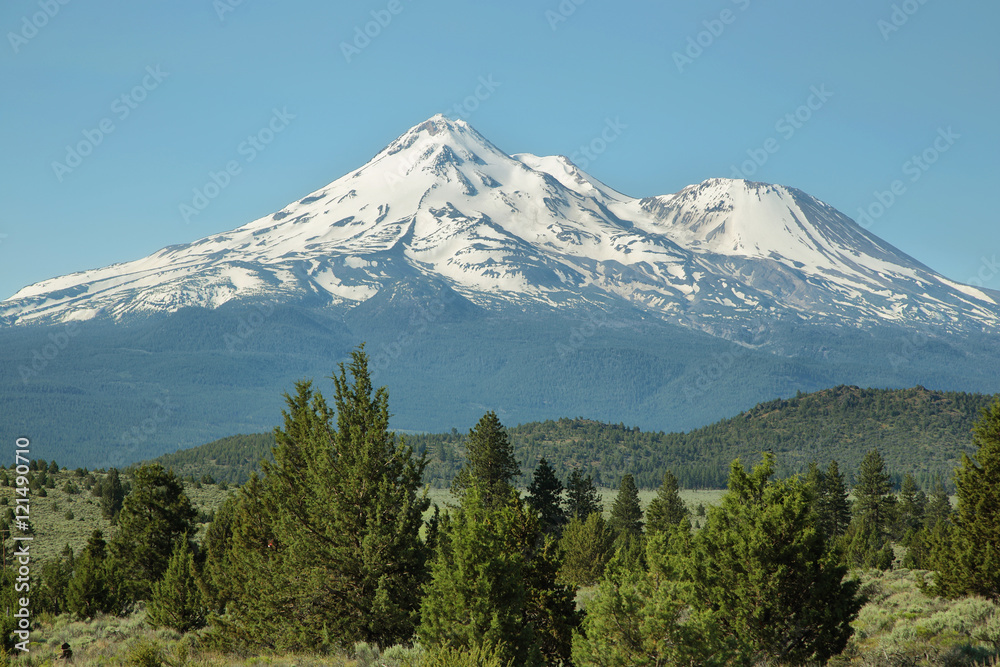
[768, 575]
[666, 509]
[489, 462]
[830, 499]
[587, 544]
[325, 548]
[111, 493]
[626, 514]
[582, 498]
[154, 516]
[867, 539]
[477, 597]
[912, 507]
[92, 590]
[51, 590]
[177, 601]
[969, 562]
[643, 618]
[545, 497]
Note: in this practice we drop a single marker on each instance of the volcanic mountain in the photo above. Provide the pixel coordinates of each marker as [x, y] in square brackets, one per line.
[443, 203]
[483, 281]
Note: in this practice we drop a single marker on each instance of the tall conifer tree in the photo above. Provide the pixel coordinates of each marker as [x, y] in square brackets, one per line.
[489, 462]
[545, 497]
[626, 513]
[325, 548]
[969, 562]
[666, 509]
[582, 498]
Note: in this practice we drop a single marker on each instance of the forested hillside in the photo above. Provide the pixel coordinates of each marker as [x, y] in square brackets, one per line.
[917, 431]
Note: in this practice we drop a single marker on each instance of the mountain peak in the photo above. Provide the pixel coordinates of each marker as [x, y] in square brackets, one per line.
[442, 202]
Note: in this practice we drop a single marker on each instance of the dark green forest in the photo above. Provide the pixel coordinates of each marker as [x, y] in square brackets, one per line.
[918, 431]
[333, 544]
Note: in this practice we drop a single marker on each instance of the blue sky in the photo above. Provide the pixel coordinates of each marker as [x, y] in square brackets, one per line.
[834, 98]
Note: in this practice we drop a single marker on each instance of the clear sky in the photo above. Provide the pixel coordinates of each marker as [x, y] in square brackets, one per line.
[113, 113]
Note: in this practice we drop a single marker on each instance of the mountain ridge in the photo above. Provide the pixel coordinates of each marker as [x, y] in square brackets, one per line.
[917, 430]
[442, 202]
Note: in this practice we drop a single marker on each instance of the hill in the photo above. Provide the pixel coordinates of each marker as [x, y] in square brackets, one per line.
[917, 430]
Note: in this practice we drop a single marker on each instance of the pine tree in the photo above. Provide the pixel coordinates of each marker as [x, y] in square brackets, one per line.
[91, 590]
[969, 562]
[112, 495]
[587, 544]
[545, 497]
[666, 509]
[834, 507]
[643, 618]
[477, 596]
[154, 516]
[325, 548]
[626, 514]
[912, 506]
[939, 507]
[489, 461]
[177, 601]
[582, 498]
[867, 538]
[766, 573]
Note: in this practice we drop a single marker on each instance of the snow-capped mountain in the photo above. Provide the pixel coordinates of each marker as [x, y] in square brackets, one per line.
[443, 203]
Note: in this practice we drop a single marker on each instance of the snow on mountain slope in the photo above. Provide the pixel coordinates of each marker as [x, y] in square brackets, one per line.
[443, 203]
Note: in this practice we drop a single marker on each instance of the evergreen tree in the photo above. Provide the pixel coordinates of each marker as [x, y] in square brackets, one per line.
[325, 548]
[626, 514]
[912, 506]
[489, 462]
[643, 618]
[112, 496]
[545, 497]
[834, 506]
[587, 544]
[666, 509]
[477, 596]
[867, 538]
[766, 573]
[582, 498]
[91, 590]
[54, 584]
[939, 507]
[177, 601]
[969, 562]
[154, 516]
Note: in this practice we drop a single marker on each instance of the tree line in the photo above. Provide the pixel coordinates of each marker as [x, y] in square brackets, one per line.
[328, 546]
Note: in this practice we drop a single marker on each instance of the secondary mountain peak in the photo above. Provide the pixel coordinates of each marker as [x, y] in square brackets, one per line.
[442, 204]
